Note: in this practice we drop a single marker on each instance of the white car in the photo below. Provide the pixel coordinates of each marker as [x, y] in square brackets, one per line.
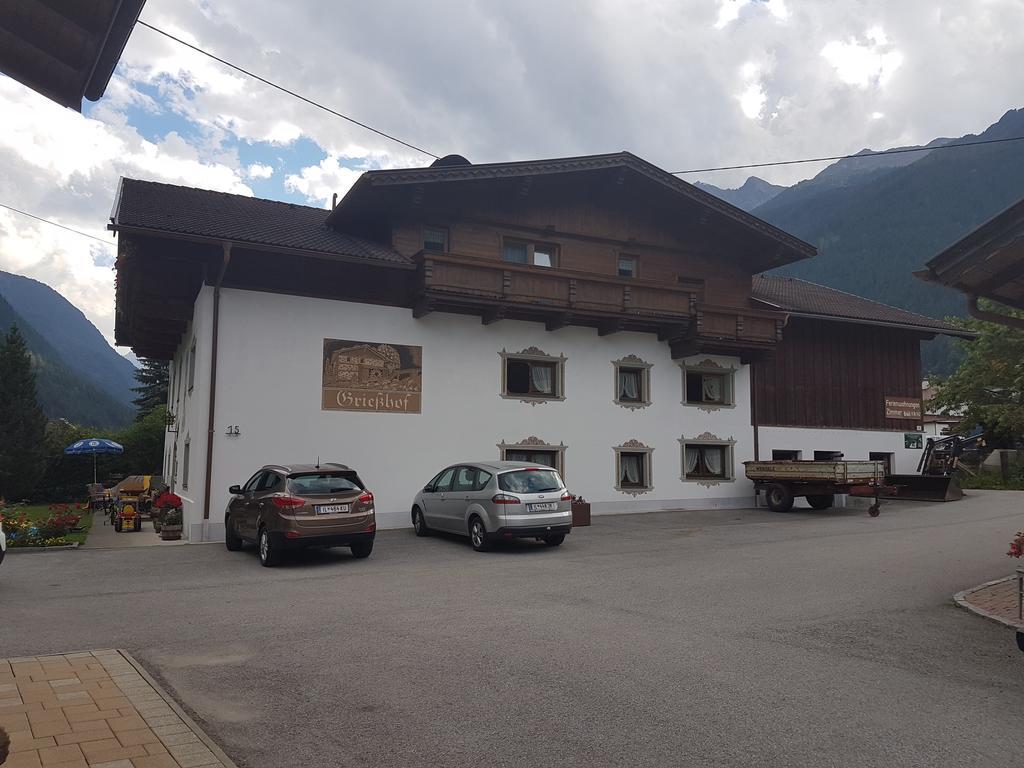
[3, 542]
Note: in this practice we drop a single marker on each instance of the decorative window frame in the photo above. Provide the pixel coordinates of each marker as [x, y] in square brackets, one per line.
[186, 461]
[728, 460]
[632, 361]
[634, 446]
[192, 365]
[535, 443]
[533, 355]
[710, 366]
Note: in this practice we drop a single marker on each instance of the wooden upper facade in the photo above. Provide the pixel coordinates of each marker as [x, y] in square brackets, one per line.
[608, 242]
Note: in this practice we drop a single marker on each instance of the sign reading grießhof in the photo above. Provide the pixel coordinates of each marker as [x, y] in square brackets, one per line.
[370, 376]
[902, 407]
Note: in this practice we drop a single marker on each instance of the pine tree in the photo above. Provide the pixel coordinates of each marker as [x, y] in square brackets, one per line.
[22, 423]
[152, 389]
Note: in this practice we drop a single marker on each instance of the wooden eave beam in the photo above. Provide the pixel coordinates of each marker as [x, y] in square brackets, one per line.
[493, 314]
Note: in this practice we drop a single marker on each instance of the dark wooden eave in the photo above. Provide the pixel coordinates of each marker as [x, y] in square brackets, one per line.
[987, 263]
[65, 49]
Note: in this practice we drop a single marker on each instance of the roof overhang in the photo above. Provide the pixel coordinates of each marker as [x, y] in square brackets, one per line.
[987, 263]
[377, 194]
[909, 327]
[66, 51]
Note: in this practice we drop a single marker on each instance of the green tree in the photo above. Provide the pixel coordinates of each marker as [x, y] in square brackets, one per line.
[989, 384]
[22, 423]
[152, 389]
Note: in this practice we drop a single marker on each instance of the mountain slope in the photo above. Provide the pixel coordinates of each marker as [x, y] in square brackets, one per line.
[79, 345]
[753, 193]
[61, 393]
[874, 229]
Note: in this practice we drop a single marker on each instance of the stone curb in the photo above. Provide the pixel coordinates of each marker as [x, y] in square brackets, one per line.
[960, 598]
[207, 741]
[10, 549]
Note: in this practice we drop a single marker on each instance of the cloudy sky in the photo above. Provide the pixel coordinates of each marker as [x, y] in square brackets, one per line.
[682, 83]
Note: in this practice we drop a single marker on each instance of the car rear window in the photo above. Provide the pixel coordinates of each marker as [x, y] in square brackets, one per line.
[530, 481]
[324, 483]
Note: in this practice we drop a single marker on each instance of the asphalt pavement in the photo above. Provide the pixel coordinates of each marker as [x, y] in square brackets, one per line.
[720, 638]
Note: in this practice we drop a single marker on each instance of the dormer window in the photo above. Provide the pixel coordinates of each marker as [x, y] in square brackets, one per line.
[526, 252]
[627, 266]
[435, 240]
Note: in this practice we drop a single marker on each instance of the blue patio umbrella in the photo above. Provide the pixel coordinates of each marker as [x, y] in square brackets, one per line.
[94, 446]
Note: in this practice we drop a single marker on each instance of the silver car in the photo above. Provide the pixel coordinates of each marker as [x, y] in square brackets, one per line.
[494, 500]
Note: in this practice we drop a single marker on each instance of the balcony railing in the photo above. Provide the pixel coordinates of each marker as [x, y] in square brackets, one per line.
[557, 289]
[678, 313]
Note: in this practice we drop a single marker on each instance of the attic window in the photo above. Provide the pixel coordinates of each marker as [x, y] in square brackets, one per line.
[435, 239]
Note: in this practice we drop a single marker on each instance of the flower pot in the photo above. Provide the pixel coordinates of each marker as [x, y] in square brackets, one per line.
[170, 532]
[580, 514]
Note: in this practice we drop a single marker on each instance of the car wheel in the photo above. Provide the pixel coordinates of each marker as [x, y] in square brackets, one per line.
[478, 535]
[554, 541]
[269, 551]
[231, 538]
[779, 497]
[419, 524]
[822, 501]
[362, 549]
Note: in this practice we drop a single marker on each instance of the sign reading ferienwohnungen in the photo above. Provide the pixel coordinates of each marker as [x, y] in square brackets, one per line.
[369, 376]
[902, 408]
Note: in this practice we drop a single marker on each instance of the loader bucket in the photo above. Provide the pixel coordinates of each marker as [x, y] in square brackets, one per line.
[926, 487]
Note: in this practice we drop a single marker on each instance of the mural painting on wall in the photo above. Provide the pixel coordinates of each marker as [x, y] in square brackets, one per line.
[369, 376]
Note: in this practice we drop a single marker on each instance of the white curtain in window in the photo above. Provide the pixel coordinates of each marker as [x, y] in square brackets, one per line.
[630, 464]
[713, 459]
[712, 389]
[541, 378]
[629, 385]
[692, 455]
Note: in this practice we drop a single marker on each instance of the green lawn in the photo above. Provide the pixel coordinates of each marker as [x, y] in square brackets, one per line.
[43, 511]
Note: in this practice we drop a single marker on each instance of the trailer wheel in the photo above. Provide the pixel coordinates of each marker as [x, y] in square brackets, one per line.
[821, 501]
[779, 497]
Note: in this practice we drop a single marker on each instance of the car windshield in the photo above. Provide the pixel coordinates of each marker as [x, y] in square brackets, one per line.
[530, 481]
[321, 483]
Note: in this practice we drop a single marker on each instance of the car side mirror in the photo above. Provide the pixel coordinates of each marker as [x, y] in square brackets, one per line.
[428, 488]
[235, 489]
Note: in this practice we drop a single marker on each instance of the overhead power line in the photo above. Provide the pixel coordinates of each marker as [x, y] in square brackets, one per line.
[858, 156]
[55, 224]
[281, 88]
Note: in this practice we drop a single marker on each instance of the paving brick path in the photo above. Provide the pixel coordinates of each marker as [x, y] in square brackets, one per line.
[995, 600]
[95, 710]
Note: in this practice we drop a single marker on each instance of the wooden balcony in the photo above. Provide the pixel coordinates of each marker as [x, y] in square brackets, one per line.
[497, 290]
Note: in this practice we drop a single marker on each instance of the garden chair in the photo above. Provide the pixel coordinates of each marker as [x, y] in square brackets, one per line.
[99, 498]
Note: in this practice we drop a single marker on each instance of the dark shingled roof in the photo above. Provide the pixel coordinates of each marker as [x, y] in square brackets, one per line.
[239, 219]
[801, 298]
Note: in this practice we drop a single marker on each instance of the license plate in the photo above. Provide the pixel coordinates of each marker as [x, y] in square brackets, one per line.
[333, 509]
[543, 507]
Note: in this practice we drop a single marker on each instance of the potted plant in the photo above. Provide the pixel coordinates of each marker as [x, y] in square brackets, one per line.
[170, 528]
[580, 511]
[168, 507]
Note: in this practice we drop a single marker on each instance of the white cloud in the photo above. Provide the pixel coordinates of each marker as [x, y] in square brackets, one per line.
[319, 183]
[863, 64]
[259, 171]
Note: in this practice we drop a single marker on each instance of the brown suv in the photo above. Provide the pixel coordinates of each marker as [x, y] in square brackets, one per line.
[286, 507]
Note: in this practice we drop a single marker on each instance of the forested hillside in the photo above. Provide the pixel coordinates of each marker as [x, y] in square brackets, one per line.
[874, 228]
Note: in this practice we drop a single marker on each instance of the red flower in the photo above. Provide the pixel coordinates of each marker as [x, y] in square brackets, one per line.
[167, 500]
